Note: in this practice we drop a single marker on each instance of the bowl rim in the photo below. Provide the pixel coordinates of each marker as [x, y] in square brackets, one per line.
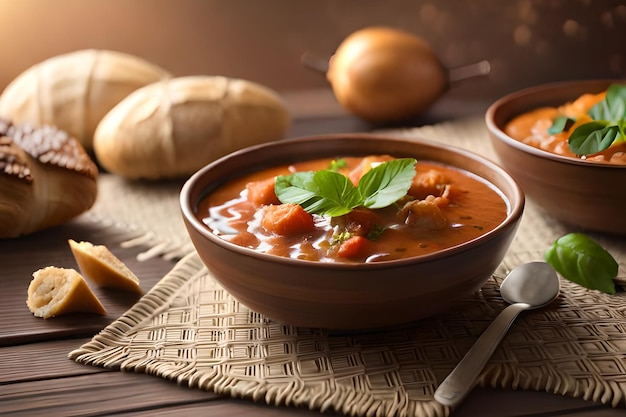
[511, 220]
[492, 126]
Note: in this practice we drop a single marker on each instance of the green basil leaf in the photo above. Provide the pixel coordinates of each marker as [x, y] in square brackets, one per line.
[593, 137]
[322, 192]
[298, 188]
[387, 183]
[613, 107]
[607, 127]
[560, 124]
[330, 193]
[338, 196]
[583, 261]
[621, 125]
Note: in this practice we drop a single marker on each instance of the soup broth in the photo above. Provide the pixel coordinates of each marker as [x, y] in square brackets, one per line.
[534, 128]
[443, 207]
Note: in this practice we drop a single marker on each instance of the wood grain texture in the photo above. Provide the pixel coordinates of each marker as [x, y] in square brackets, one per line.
[41, 361]
[21, 257]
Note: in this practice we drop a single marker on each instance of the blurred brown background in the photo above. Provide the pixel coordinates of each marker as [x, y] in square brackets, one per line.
[526, 41]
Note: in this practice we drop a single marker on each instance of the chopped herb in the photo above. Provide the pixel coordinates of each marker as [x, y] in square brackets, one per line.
[375, 233]
[580, 259]
[341, 237]
[329, 193]
[337, 164]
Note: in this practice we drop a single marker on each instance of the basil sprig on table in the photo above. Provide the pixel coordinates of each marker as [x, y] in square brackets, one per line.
[330, 193]
[607, 127]
[582, 260]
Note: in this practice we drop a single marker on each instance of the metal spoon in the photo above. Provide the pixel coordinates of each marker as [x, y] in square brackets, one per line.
[528, 286]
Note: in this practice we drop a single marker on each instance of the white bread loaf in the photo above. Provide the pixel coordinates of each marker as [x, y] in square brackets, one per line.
[46, 178]
[172, 128]
[74, 91]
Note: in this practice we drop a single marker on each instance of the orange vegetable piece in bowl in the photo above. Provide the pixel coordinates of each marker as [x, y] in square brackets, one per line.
[262, 192]
[366, 164]
[580, 106]
[287, 219]
[353, 247]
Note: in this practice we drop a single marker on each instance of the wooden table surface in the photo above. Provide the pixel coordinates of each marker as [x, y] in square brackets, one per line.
[37, 378]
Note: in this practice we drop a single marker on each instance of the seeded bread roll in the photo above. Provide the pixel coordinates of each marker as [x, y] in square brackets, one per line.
[172, 128]
[46, 178]
[74, 91]
[58, 291]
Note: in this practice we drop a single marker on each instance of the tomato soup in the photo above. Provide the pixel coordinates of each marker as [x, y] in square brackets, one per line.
[533, 128]
[442, 207]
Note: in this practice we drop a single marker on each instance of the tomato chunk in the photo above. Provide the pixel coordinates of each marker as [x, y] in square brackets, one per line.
[287, 219]
[353, 247]
[261, 193]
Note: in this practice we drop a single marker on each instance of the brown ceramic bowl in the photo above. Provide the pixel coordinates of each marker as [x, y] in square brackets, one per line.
[341, 295]
[589, 195]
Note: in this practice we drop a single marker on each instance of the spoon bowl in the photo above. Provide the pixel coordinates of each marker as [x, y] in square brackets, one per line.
[528, 286]
[532, 283]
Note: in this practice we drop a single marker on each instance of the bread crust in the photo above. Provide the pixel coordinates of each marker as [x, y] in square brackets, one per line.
[172, 128]
[98, 264]
[74, 91]
[46, 178]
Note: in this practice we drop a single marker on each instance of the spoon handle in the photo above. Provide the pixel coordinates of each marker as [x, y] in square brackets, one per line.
[462, 378]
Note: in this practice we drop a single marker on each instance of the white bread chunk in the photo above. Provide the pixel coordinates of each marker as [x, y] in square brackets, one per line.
[58, 291]
[99, 265]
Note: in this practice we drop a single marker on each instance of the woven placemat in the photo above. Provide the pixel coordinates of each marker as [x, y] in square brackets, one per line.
[188, 329]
